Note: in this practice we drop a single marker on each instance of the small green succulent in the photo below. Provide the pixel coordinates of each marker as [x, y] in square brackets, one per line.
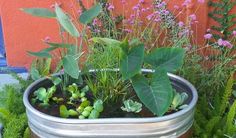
[76, 93]
[178, 101]
[85, 110]
[131, 106]
[44, 95]
[65, 113]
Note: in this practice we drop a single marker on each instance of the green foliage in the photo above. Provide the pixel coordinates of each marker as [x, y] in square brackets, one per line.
[132, 106]
[224, 17]
[44, 95]
[155, 93]
[230, 128]
[84, 110]
[40, 12]
[27, 133]
[109, 23]
[107, 41]
[23, 83]
[216, 119]
[14, 101]
[71, 55]
[178, 100]
[15, 127]
[131, 62]
[87, 16]
[64, 113]
[12, 111]
[40, 68]
[66, 22]
[226, 95]
[169, 59]
[71, 66]
[43, 53]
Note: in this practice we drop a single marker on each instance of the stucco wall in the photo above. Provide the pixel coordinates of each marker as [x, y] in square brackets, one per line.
[25, 33]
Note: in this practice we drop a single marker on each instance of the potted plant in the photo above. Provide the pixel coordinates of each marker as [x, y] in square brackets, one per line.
[126, 101]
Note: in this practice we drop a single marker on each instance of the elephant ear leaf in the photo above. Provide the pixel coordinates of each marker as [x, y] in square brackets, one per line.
[132, 61]
[65, 22]
[71, 66]
[169, 59]
[156, 94]
[40, 12]
[90, 14]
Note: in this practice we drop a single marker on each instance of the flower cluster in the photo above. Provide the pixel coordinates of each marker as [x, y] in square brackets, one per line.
[220, 42]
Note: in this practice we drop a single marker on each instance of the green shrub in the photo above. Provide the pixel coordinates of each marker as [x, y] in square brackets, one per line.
[216, 119]
[15, 127]
[12, 111]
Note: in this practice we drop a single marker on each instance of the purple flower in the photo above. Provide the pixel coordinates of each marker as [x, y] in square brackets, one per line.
[140, 23]
[131, 21]
[176, 7]
[208, 36]
[127, 30]
[201, 1]
[188, 48]
[47, 39]
[224, 43]
[150, 16]
[97, 31]
[143, 10]
[160, 5]
[193, 17]
[157, 13]
[234, 33]
[220, 42]
[95, 21]
[79, 12]
[165, 12]
[141, 1]
[186, 2]
[136, 7]
[157, 20]
[110, 7]
[123, 1]
[181, 24]
[132, 16]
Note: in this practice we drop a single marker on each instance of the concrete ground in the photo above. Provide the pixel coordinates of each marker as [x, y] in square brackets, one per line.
[8, 79]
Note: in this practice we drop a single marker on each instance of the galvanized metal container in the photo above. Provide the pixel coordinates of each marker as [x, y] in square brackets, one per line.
[169, 126]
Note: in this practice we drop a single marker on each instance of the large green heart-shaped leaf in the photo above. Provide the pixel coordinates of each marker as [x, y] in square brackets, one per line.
[131, 63]
[169, 59]
[156, 94]
[87, 16]
[66, 22]
[40, 12]
[71, 67]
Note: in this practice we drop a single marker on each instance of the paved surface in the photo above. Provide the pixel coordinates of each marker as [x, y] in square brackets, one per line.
[8, 79]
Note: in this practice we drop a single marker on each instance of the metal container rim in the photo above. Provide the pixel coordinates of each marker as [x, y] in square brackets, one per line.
[190, 107]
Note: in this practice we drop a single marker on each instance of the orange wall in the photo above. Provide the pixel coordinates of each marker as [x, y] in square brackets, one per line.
[23, 32]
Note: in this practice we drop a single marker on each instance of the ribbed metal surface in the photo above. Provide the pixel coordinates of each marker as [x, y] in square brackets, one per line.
[169, 126]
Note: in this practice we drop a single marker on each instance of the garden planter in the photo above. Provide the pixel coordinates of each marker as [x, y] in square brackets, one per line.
[177, 124]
